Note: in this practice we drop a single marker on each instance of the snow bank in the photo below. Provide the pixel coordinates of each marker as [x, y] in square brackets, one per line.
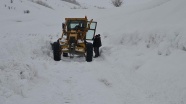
[15, 78]
[156, 24]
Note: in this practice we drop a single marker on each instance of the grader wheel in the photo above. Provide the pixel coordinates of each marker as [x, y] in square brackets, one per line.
[56, 51]
[89, 53]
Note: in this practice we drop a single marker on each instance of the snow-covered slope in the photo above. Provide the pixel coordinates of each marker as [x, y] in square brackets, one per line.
[142, 58]
[155, 24]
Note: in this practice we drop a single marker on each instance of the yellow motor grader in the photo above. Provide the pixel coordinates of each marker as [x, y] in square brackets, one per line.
[76, 39]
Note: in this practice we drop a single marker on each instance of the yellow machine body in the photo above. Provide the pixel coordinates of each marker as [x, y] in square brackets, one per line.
[73, 39]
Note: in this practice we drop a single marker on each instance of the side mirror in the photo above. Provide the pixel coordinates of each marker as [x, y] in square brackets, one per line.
[63, 26]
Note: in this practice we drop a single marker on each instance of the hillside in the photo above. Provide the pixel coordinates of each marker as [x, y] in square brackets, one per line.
[142, 60]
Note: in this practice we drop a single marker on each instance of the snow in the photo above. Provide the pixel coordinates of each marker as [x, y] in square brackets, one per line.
[142, 55]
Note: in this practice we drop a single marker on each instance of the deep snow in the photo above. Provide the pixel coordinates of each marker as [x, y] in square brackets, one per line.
[142, 58]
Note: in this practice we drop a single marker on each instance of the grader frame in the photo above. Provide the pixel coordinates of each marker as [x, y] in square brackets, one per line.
[76, 39]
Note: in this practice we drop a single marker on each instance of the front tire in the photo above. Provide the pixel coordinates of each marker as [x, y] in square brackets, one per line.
[89, 54]
[56, 51]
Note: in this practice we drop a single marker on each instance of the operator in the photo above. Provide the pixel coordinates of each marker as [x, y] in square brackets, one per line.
[96, 44]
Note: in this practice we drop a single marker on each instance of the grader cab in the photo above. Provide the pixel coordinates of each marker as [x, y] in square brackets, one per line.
[76, 39]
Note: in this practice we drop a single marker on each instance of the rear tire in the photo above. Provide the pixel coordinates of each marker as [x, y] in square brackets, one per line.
[89, 54]
[56, 51]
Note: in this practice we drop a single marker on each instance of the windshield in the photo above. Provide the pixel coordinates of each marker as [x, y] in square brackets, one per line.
[73, 25]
